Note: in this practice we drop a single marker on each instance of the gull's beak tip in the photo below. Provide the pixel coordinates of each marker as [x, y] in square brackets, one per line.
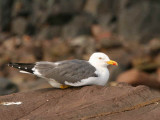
[115, 63]
[111, 62]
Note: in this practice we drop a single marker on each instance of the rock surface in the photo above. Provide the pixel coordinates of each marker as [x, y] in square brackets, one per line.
[90, 102]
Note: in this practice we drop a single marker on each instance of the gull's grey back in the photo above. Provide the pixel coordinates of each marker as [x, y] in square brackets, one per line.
[70, 70]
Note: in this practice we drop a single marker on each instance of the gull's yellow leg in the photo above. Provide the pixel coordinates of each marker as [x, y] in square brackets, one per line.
[64, 86]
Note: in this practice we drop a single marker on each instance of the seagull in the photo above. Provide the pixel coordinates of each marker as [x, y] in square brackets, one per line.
[63, 74]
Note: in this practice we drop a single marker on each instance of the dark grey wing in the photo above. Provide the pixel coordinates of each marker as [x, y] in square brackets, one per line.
[70, 70]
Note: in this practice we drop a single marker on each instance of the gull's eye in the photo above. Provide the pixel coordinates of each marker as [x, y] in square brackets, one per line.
[100, 58]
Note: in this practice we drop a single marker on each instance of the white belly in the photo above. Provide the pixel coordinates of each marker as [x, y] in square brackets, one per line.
[102, 79]
[54, 83]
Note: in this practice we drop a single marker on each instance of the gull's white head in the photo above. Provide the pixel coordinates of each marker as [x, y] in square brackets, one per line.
[101, 59]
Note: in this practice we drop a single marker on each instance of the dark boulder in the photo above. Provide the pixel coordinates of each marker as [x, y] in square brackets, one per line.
[139, 19]
[5, 15]
[7, 87]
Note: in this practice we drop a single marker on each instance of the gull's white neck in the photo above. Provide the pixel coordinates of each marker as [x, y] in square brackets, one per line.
[98, 66]
[102, 72]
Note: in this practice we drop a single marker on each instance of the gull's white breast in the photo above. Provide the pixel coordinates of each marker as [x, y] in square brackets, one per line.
[103, 75]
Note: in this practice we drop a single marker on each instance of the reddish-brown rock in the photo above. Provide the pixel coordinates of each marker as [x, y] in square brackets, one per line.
[137, 77]
[91, 102]
[158, 73]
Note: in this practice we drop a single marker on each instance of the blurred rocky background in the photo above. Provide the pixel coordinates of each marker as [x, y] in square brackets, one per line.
[128, 31]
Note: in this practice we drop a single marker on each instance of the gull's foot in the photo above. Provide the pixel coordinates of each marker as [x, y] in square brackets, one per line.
[64, 86]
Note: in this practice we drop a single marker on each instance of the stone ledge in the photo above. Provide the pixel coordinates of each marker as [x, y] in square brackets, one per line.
[90, 102]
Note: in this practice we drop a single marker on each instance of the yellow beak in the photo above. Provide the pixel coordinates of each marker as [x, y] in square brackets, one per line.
[111, 62]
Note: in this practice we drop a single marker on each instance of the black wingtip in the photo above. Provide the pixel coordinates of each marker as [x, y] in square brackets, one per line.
[23, 66]
[10, 64]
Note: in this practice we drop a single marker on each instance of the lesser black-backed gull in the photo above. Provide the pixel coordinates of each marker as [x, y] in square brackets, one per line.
[63, 74]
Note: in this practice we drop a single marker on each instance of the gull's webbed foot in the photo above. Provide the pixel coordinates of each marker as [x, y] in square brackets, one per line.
[64, 86]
